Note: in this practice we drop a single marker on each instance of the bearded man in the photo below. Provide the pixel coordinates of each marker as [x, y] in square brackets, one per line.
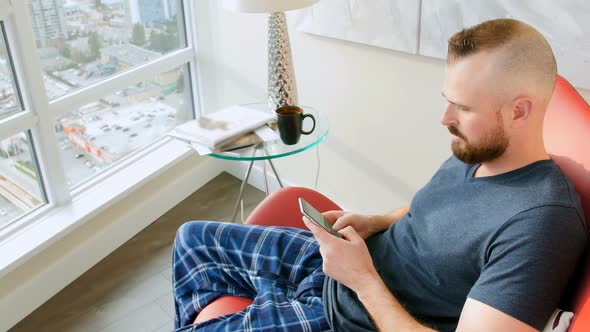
[489, 244]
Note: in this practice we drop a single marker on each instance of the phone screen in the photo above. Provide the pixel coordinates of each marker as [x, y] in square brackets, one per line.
[314, 215]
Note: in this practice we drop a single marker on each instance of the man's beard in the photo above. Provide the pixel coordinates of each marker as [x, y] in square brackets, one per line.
[492, 146]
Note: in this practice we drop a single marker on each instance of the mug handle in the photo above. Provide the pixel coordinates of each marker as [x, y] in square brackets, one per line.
[303, 116]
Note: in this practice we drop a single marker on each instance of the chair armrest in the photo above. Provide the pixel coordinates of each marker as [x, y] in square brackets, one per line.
[224, 305]
[281, 208]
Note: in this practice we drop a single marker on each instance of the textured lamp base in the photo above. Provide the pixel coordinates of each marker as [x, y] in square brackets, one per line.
[282, 89]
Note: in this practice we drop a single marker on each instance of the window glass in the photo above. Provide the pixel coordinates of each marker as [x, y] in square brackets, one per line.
[81, 42]
[9, 98]
[20, 190]
[104, 131]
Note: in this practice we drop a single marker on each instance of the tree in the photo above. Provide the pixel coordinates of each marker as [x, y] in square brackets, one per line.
[94, 44]
[172, 25]
[65, 52]
[163, 42]
[138, 35]
[156, 41]
[74, 35]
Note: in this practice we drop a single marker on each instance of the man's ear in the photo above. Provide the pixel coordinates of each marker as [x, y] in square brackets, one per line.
[521, 108]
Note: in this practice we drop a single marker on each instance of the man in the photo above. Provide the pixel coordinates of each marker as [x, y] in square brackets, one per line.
[488, 244]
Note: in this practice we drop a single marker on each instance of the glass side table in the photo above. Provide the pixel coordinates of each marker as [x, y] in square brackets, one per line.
[267, 151]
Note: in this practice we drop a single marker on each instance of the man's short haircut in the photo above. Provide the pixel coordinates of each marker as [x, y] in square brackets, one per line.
[524, 53]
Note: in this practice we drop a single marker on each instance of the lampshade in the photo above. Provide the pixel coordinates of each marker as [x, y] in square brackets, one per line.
[266, 6]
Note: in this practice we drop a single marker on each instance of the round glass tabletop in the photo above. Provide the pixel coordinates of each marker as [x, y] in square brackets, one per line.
[276, 148]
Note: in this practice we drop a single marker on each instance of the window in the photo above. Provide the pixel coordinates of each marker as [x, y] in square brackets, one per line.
[9, 98]
[84, 86]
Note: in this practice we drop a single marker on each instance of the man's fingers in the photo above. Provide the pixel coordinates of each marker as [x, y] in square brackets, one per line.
[350, 234]
[310, 225]
[340, 223]
[317, 231]
[333, 215]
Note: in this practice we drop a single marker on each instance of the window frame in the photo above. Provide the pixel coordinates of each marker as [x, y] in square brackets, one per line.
[39, 113]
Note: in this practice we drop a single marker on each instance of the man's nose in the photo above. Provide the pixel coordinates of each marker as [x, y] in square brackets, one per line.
[449, 116]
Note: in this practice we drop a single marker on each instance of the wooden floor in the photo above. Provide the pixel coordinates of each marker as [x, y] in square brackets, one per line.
[131, 290]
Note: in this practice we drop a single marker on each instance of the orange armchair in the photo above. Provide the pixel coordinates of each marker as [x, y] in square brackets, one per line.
[567, 138]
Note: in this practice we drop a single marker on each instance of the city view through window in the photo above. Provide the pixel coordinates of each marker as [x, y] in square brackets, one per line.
[102, 132]
[80, 43]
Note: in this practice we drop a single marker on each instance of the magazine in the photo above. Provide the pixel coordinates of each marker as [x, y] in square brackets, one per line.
[217, 129]
[261, 135]
[243, 141]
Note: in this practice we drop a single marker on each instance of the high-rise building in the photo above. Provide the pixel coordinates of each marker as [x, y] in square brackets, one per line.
[148, 12]
[170, 8]
[132, 10]
[151, 11]
[49, 24]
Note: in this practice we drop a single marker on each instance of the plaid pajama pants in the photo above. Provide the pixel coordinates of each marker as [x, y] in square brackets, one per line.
[279, 267]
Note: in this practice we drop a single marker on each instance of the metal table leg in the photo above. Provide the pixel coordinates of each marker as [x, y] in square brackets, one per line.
[247, 176]
[275, 171]
[233, 218]
[265, 179]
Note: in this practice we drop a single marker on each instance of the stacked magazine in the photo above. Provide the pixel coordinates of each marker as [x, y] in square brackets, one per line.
[228, 129]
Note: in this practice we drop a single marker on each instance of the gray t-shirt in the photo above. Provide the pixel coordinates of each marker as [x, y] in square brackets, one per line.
[510, 241]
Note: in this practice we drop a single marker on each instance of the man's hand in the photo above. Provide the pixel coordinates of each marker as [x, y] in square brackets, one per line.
[347, 260]
[365, 226]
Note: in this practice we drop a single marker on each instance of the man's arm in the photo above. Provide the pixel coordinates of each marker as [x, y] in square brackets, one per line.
[477, 316]
[389, 219]
[387, 313]
[348, 261]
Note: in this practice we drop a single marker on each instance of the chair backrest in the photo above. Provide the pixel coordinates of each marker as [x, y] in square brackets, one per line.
[567, 139]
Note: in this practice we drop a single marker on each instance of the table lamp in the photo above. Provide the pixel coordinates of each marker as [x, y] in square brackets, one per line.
[282, 89]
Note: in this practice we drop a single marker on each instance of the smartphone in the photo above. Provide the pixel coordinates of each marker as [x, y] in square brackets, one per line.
[314, 215]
